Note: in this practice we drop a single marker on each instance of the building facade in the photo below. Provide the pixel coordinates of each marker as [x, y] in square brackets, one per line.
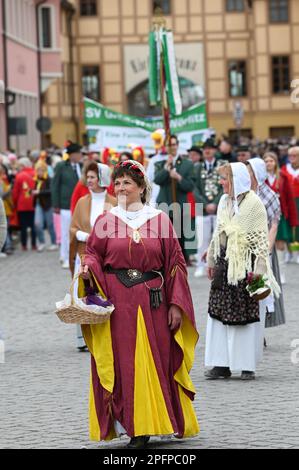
[228, 52]
[30, 59]
[2, 88]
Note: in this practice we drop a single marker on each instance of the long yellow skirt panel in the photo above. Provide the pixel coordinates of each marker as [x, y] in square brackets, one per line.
[150, 412]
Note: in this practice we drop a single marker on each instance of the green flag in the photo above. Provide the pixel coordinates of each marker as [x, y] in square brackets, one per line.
[172, 81]
[153, 70]
[162, 52]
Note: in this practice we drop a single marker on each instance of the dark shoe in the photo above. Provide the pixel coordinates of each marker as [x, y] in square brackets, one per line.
[247, 375]
[82, 348]
[218, 373]
[138, 442]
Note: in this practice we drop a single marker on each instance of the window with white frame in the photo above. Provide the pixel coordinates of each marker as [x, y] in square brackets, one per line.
[46, 27]
[91, 82]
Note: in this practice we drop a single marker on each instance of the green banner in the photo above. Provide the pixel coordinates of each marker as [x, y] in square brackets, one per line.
[107, 128]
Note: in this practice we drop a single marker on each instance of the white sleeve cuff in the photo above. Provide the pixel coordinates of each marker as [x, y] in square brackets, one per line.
[82, 236]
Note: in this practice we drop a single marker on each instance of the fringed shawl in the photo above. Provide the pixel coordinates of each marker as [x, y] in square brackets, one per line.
[247, 239]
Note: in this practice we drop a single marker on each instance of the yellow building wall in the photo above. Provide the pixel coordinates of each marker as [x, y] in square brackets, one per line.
[61, 131]
[226, 36]
[260, 123]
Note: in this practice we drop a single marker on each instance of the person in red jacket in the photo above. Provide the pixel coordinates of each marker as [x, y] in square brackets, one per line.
[80, 190]
[279, 182]
[23, 199]
[292, 169]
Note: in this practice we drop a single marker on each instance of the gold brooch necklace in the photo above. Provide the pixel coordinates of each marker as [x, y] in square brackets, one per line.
[136, 236]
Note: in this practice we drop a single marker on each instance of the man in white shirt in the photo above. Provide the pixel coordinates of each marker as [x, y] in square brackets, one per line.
[158, 137]
[208, 192]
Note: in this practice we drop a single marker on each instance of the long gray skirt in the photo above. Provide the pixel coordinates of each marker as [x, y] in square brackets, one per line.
[277, 317]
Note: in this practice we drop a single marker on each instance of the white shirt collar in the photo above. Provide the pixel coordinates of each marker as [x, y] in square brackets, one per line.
[210, 164]
[101, 195]
[292, 170]
[135, 219]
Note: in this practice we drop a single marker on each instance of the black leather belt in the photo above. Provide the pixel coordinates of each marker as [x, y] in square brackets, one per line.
[132, 277]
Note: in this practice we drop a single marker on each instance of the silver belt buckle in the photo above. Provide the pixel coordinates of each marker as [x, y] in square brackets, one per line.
[134, 274]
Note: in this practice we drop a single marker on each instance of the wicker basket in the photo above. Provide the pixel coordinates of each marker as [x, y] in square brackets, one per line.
[262, 295]
[75, 314]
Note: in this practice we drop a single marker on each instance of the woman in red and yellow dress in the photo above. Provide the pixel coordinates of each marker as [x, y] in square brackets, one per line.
[142, 356]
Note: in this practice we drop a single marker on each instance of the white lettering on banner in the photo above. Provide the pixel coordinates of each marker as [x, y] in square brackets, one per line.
[2, 92]
[101, 137]
[175, 122]
[196, 118]
[93, 113]
[107, 128]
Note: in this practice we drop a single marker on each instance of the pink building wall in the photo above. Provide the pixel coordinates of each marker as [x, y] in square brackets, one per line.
[22, 68]
[51, 63]
[51, 60]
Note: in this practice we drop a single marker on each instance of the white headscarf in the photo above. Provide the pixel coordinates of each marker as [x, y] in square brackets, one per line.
[259, 169]
[104, 175]
[241, 182]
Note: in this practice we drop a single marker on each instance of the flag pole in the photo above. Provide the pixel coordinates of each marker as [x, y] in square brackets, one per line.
[164, 102]
[159, 24]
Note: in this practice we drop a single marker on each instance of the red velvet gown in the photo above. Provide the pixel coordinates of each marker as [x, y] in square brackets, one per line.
[139, 367]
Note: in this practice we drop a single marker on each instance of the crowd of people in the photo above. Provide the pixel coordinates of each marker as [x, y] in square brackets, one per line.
[232, 212]
[41, 190]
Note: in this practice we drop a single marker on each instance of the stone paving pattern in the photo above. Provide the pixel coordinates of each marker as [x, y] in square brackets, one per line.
[44, 381]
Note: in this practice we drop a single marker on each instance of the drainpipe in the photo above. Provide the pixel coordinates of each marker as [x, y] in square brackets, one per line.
[39, 64]
[70, 11]
[6, 104]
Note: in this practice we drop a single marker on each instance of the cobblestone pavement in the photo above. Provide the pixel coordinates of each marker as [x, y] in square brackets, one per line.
[44, 380]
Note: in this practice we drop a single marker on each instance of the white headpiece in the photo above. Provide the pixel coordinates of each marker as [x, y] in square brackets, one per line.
[104, 175]
[241, 182]
[259, 169]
